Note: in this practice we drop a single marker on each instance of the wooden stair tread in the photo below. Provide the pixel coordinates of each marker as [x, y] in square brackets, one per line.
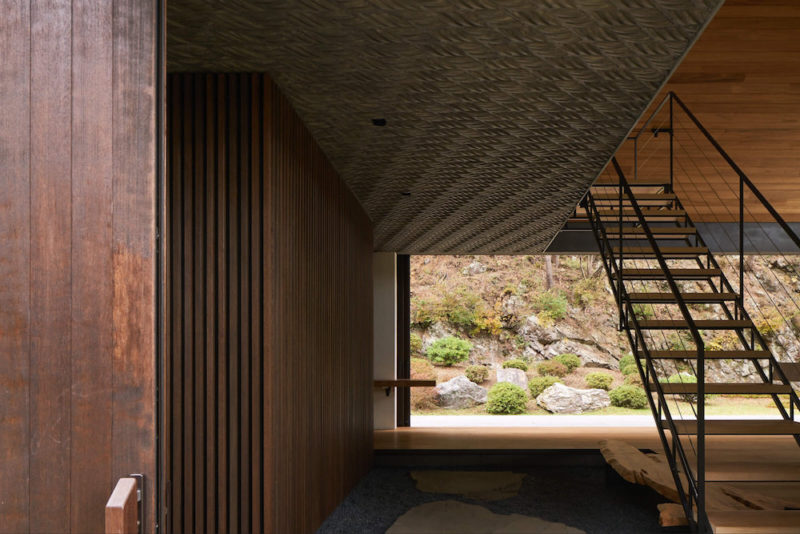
[691, 297]
[658, 274]
[754, 521]
[707, 324]
[639, 196]
[725, 388]
[642, 183]
[651, 212]
[709, 354]
[739, 427]
[664, 250]
[656, 230]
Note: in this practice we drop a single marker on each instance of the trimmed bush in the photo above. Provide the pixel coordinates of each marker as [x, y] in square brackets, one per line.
[506, 399]
[449, 350]
[570, 360]
[415, 343]
[628, 397]
[538, 384]
[422, 369]
[633, 379]
[626, 361]
[552, 368]
[515, 364]
[599, 380]
[477, 373]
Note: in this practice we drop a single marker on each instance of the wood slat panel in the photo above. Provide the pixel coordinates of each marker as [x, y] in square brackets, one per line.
[134, 242]
[15, 328]
[269, 263]
[78, 266]
[92, 291]
[50, 265]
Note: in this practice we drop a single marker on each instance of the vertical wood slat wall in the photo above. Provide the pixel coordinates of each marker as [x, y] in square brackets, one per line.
[78, 259]
[268, 419]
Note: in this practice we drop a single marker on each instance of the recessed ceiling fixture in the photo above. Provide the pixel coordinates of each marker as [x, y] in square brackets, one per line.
[379, 122]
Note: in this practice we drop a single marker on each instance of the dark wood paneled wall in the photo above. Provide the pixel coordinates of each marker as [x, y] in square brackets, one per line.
[77, 260]
[269, 365]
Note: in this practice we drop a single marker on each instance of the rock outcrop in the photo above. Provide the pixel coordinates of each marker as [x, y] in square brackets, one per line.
[559, 398]
[513, 376]
[460, 392]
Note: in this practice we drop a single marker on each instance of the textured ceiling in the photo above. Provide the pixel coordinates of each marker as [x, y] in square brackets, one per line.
[499, 112]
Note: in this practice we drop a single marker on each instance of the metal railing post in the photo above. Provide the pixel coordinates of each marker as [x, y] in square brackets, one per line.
[671, 152]
[619, 270]
[741, 245]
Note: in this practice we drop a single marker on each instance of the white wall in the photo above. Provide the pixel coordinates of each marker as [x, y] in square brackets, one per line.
[384, 305]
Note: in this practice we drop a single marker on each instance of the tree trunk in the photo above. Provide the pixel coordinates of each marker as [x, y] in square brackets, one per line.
[548, 271]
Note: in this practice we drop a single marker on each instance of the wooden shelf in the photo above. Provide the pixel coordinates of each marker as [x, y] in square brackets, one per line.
[404, 383]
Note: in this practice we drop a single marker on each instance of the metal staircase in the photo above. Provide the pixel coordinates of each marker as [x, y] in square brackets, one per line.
[656, 259]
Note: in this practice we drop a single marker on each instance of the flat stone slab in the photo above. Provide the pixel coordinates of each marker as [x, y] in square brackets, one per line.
[453, 517]
[479, 485]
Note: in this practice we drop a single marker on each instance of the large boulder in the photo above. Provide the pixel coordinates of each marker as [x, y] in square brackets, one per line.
[513, 376]
[460, 392]
[559, 398]
[591, 356]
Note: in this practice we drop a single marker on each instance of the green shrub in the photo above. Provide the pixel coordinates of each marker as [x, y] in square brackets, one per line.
[628, 397]
[415, 343]
[477, 373]
[552, 304]
[570, 360]
[422, 369]
[626, 361]
[586, 291]
[538, 384]
[449, 350]
[506, 399]
[423, 312]
[552, 368]
[599, 380]
[627, 365]
[633, 379]
[515, 364]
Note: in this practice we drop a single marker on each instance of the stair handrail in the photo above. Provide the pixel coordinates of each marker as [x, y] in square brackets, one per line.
[745, 179]
[612, 271]
[698, 339]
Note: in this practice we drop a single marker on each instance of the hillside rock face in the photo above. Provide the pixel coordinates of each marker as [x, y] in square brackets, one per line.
[498, 303]
[559, 398]
[460, 392]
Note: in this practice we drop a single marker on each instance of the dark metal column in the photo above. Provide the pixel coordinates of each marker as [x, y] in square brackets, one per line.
[403, 337]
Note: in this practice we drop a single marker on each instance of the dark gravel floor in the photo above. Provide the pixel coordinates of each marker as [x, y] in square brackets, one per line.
[593, 499]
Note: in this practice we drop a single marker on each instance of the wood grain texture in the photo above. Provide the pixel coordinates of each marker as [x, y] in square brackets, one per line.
[742, 81]
[121, 512]
[268, 372]
[15, 328]
[92, 292]
[77, 131]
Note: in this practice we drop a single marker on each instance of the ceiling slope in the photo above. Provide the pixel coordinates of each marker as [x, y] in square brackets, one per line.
[499, 114]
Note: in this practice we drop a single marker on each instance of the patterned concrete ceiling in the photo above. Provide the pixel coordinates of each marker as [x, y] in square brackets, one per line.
[499, 113]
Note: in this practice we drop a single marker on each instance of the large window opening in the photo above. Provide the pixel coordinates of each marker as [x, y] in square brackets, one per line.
[496, 332]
